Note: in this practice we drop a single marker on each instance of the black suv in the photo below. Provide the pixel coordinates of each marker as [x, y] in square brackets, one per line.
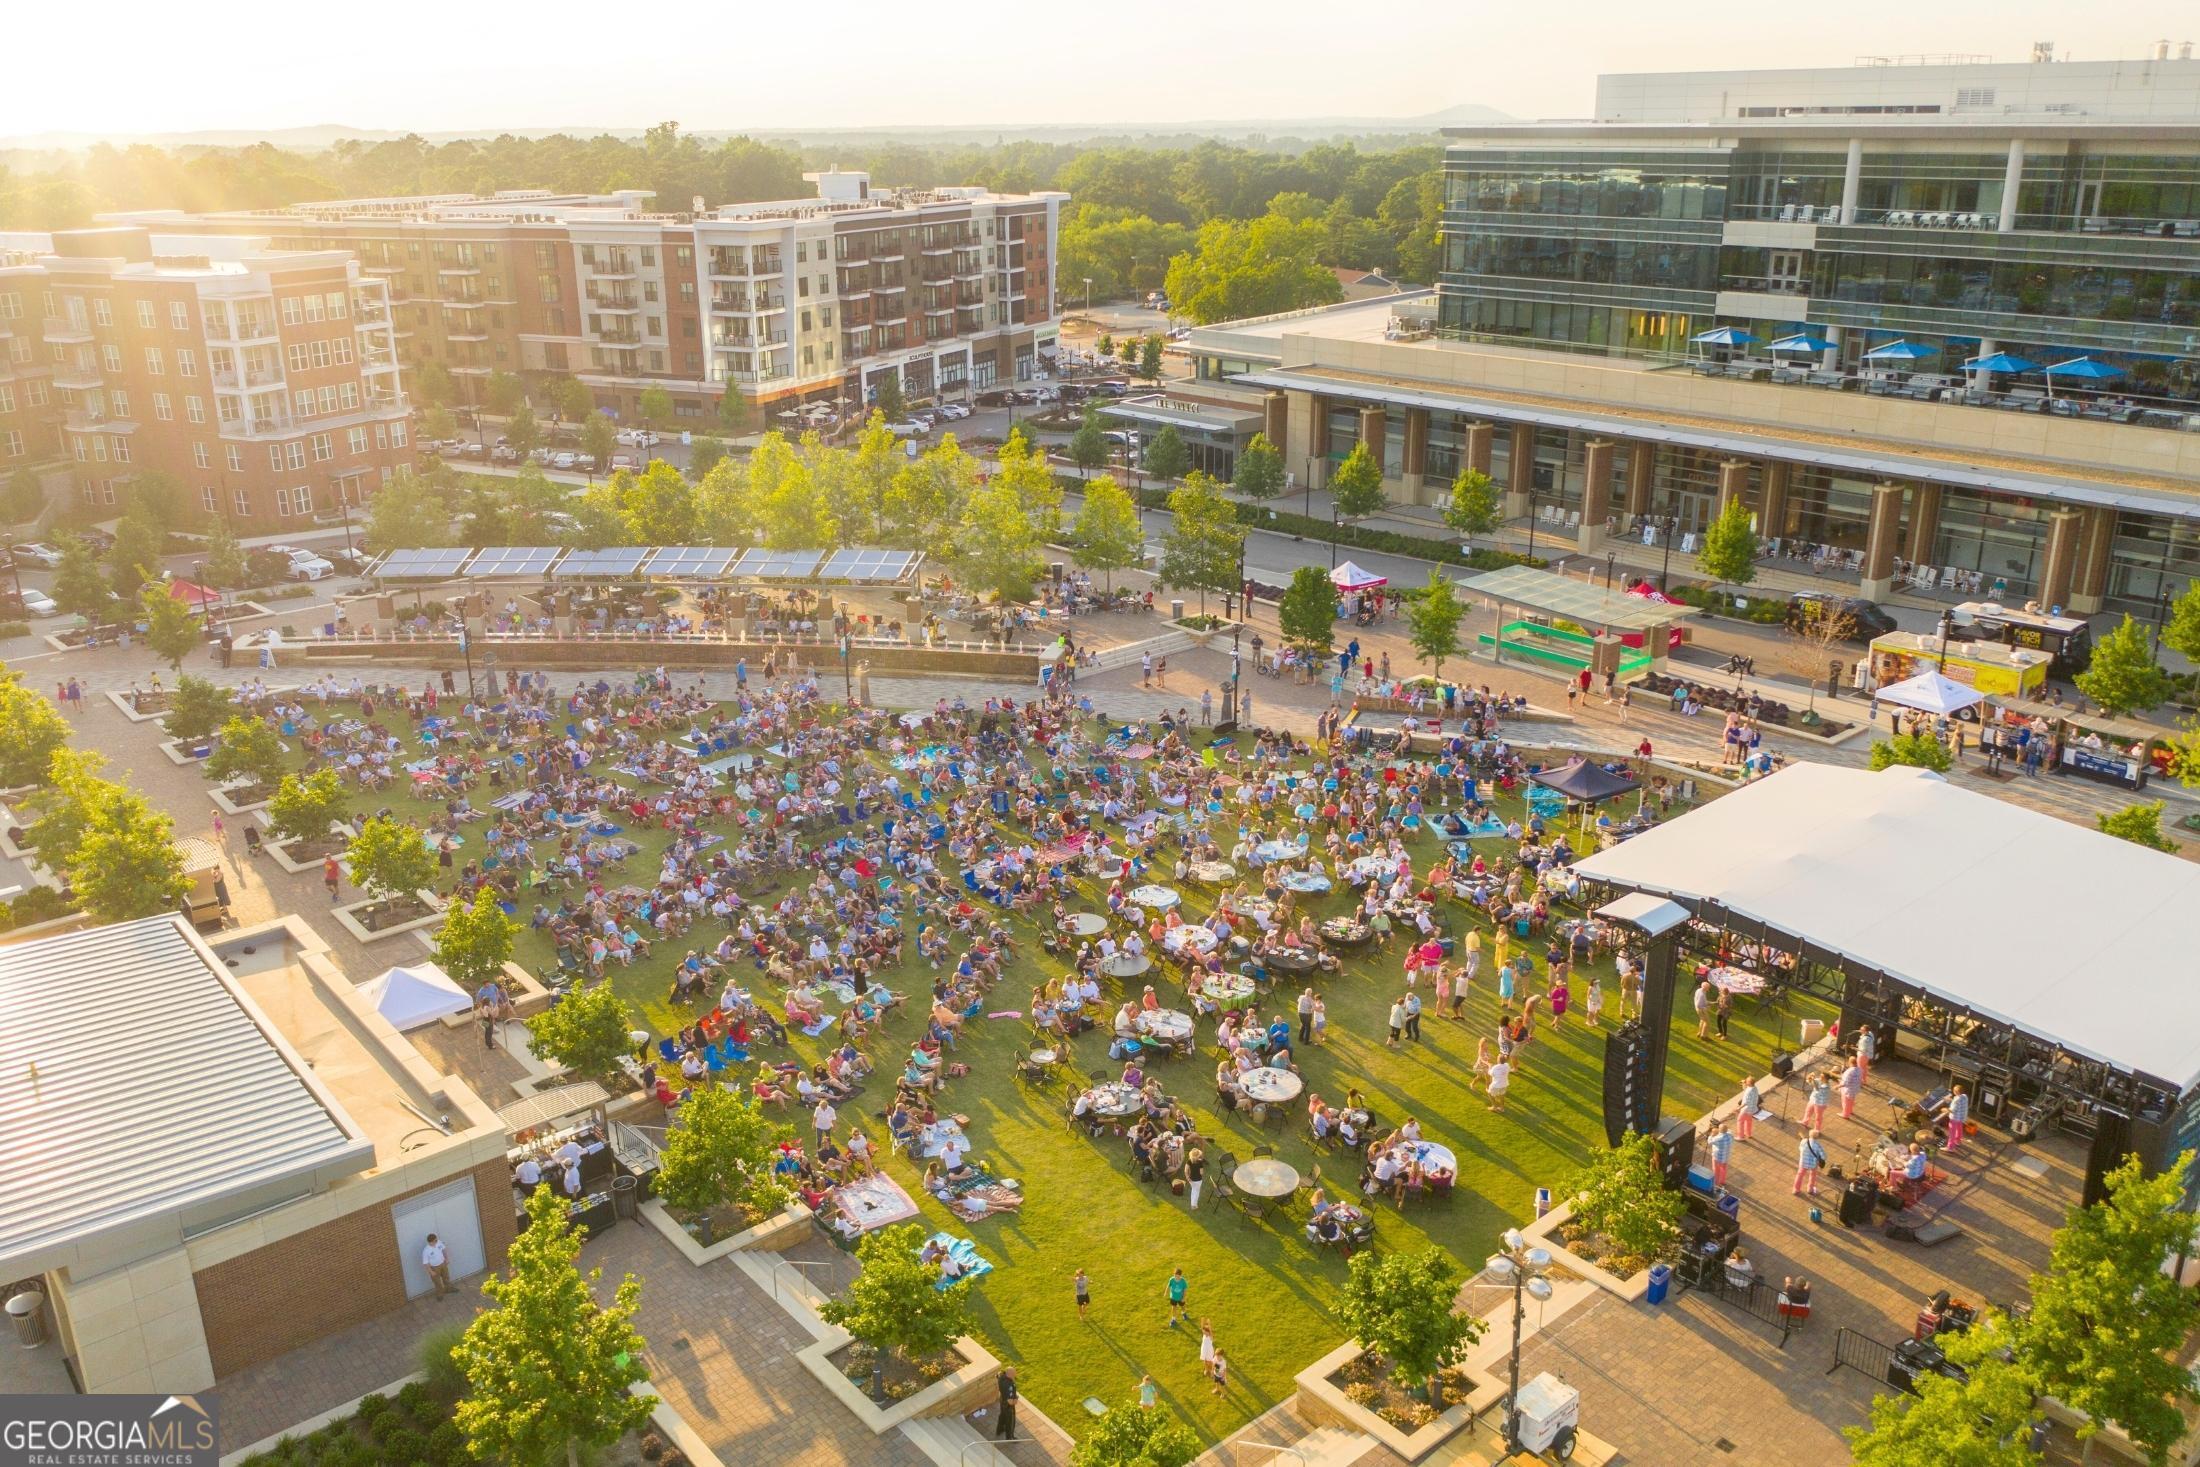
[1866, 619]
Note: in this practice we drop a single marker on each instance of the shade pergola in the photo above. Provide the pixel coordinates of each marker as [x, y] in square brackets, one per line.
[1591, 605]
[1931, 692]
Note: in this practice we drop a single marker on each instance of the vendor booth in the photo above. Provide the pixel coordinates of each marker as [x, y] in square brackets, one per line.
[551, 1126]
[1932, 694]
[2095, 746]
[1611, 632]
[412, 996]
[2067, 640]
[1992, 668]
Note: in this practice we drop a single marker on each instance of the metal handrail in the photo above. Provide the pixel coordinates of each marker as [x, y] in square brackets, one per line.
[780, 1263]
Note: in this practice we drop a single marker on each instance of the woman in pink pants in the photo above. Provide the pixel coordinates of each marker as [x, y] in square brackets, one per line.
[1958, 1112]
[1745, 1110]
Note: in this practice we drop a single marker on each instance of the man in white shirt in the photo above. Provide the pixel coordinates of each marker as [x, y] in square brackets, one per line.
[527, 1173]
[573, 1180]
[436, 1259]
[824, 1118]
[570, 1153]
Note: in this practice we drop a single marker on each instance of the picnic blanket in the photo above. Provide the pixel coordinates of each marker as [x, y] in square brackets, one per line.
[969, 1262]
[874, 1202]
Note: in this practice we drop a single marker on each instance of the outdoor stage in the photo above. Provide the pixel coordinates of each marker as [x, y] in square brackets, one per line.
[1670, 1383]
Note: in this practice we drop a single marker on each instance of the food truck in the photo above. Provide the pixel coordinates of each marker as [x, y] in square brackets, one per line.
[2068, 640]
[1993, 668]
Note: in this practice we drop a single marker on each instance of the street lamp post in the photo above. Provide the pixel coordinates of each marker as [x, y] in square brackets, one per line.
[1334, 526]
[847, 678]
[465, 647]
[1667, 526]
[1526, 1269]
[1611, 560]
[1531, 516]
[1947, 625]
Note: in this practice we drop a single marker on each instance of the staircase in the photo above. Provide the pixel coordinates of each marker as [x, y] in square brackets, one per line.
[951, 1441]
[1126, 654]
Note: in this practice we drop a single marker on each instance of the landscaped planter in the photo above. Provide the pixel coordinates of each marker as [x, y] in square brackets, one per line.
[1322, 1401]
[145, 707]
[1200, 635]
[355, 916]
[956, 1393]
[775, 1234]
[187, 752]
[225, 798]
[288, 855]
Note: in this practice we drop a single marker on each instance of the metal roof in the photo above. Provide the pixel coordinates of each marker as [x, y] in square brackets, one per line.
[95, 1138]
[423, 565]
[505, 561]
[1592, 606]
[1742, 442]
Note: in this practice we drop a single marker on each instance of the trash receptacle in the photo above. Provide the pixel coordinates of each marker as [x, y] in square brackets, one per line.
[1730, 1203]
[1661, 1279]
[1176, 610]
[28, 1310]
[623, 1194]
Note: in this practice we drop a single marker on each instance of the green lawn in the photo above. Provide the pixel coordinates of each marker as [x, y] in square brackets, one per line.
[1269, 1292]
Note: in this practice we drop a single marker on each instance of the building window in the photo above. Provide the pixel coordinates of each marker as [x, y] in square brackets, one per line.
[314, 308]
[194, 409]
[343, 351]
[296, 352]
[110, 356]
[236, 459]
[145, 314]
[207, 501]
[324, 447]
[122, 449]
[153, 365]
[120, 402]
[397, 435]
[683, 255]
[7, 398]
[11, 441]
[294, 501]
[160, 408]
[201, 458]
[187, 363]
[11, 306]
[290, 310]
[179, 319]
[275, 456]
[356, 440]
[295, 454]
[242, 502]
[337, 306]
[37, 392]
[649, 255]
[102, 312]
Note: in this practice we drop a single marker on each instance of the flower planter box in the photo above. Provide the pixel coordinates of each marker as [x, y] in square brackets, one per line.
[131, 711]
[228, 804]
[775, 1234]
[281, 851]
[1324, 1403]
[1200, 635]
[188, 752]
[959, 1391]
[347, 916]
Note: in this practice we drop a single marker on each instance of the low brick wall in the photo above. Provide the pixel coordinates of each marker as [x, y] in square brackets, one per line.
[1013, 666]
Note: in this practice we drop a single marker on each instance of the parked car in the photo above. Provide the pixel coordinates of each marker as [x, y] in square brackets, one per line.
[502, 455]
[564, 460]
[99, 540]
[303, 565]
[351, 559]
[38, 603]
[907, 429]
[36, 553]
[638, 437]
[954, 410]
[1865, 619]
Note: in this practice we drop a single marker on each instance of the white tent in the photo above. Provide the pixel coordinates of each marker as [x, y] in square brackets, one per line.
[1931, 692]
[410, 997]
[1349, 577]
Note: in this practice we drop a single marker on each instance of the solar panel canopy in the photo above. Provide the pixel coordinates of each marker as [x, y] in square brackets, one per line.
[617, 561]
[779, 565]
[513, 560]
[691, 562]
[868, 567]
[420, 565]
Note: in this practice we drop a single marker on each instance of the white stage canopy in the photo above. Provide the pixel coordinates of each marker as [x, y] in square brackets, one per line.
[2072, 936]
[1350, 577]
[421, 994]
[1930, 692]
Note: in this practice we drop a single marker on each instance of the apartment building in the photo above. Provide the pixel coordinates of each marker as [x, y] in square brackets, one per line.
[806, 299]
[266, 382]
[1949, 320]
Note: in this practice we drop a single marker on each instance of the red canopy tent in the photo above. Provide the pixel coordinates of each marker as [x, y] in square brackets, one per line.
[194, 595]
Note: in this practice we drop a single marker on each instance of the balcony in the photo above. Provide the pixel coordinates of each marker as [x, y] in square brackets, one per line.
[465, 331]
[624, 305]
[463, 267]
[245, 331]
[620, 340]
[610, 267]
[259, 379]
[887, 253]
[373, 268]
[81, 420]
[77, 377]
[750, 342]
[61, 331]
[462, 303]
[262, 425]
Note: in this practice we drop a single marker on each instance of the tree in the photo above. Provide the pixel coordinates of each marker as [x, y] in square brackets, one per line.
[1433, 623]
[1019, 439]
[1023, 468]
[503, 394]
[438, 422]
[475, 942]
[26, 496]
[587, 1031]
[161, 498]
[407, 514]
[140, 542]
[1983, 1420]
[599, 440]
[924, 502]
[547, 1367]
[1817, 626]
[67, 803]
[1919, 750]
[735, 414]
[2108, 1320]
[126, 865]
[196, 708]
[2139, 824]
[78, 585]
[570, 398]
[522, 434]
[1149, 359]
[1729, 554]
[1259, 470]
[1166, 456]
[1202, 550]
[719, 1153]
[171, 628]
[1622, 1195]
[1107, 531]
[31, 729]
[2182, 631]
[655, 405]
[306, 807]
[1401, 1306]
[1357, 487]
[658, 507]
[1308, 612]
[249, 751]
[886, 398]
[389, 859]
[1105, 345]
[1088, 446]
[704, 453]
[1475, 507]
[894, 1305]
[431, 383]
[997, 545]
[2123, 677]
[782, 499]
[1251, 267]
[224, 562]
[1129, 1435]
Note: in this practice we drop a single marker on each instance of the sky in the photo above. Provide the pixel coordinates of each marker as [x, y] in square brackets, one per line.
[439, 66]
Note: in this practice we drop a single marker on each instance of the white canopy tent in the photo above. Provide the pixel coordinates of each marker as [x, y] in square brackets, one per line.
[1931, 692]
[1349, 577]
[1903, 873]
[421, 994]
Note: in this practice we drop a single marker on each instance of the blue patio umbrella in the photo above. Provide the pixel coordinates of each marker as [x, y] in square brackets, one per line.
[1802, 341]
[2002, 362]
[1723, 336]
[1899, 351]
[2085, 369]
